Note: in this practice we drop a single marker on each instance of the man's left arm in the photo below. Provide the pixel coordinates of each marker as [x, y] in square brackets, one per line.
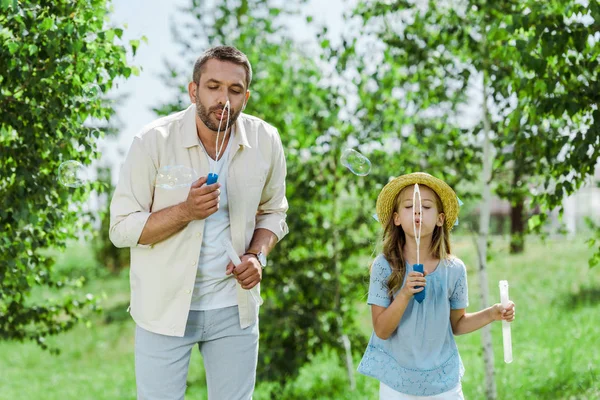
[271, 226]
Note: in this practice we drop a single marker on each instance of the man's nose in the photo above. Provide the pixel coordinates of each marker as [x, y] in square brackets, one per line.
[223, 97]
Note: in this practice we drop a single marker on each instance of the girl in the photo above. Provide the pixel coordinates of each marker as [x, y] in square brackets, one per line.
[412, 351]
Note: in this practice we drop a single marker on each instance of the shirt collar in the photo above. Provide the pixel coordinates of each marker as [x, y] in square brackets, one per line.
[190, 134]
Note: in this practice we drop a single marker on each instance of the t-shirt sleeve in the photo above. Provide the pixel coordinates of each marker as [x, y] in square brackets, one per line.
[378, 288]
[460, 294]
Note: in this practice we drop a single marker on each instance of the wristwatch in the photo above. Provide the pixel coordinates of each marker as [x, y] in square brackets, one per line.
[260, 256]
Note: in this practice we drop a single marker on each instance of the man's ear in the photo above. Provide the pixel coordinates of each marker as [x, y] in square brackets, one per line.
[192, 88]
[246, 100]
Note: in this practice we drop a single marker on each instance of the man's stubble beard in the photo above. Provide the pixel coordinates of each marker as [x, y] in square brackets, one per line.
[204, 115]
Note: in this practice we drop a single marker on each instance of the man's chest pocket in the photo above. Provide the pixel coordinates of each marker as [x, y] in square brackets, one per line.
[255, 179]
[252, 180]
[164, 198]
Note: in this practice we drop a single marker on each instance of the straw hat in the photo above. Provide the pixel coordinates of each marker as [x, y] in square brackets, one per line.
[387, 197]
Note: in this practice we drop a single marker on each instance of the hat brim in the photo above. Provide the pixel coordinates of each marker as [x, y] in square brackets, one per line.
[387, 198]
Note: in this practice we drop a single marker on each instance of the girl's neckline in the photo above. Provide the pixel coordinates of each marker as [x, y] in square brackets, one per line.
[437, 266]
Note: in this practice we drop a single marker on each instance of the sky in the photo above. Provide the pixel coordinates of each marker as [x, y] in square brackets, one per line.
[152, 19]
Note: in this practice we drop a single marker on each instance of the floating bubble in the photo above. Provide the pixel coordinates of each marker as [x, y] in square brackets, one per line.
[72, 174]
[356, 162]
[175, 176]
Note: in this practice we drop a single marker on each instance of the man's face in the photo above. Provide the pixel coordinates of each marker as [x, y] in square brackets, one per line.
[220, 81]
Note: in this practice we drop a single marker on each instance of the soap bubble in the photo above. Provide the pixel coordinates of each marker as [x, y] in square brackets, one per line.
[72, 174]
[175, 176]
[356, 162]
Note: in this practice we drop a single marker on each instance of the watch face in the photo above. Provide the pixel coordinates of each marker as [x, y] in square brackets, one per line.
[262, 259]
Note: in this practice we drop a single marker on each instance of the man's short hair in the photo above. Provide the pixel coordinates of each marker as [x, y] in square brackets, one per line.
[223, 53]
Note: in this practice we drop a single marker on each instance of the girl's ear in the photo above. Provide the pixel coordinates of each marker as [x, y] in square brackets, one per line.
[396, 218]
[440, 219]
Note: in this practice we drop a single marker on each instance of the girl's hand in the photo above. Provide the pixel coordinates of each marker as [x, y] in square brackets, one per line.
[501, 314]
[413, 279]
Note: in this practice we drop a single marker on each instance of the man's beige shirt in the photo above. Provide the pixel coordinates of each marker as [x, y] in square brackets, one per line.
[162, 275]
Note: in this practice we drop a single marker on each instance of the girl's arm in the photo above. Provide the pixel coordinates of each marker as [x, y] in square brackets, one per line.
[386, 319]
[468, 322]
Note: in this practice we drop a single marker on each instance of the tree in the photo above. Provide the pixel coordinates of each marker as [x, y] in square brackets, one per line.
[56, 60]
[439, 45]
[557, 81]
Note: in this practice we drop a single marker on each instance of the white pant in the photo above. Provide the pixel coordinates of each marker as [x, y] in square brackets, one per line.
[387, 393]
[230, 355]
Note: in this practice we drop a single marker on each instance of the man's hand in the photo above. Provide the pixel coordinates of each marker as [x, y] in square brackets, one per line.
[248, 273]
[202, 200]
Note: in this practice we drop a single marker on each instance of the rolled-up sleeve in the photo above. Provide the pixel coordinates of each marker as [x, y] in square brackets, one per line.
[273, 205]
[132, 200]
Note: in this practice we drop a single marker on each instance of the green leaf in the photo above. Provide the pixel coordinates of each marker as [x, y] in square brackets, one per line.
[134, 45]
[46, 24]
[12, 47]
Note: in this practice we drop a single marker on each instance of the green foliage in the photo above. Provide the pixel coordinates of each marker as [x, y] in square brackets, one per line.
[556, 81]
[539, 62]
[56, 61]
[413, 86]
[106, 254]
[594, 242]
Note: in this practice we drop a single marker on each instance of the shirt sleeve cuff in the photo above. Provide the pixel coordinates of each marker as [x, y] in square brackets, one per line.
[379, 302]
[128, 234]
[273, 222]
[459, 306]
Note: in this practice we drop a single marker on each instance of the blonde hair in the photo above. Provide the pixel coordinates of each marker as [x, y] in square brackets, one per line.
[394, 240]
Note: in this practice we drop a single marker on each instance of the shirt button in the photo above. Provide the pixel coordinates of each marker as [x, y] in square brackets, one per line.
[188, 291]
[198, 234]
[193, 263]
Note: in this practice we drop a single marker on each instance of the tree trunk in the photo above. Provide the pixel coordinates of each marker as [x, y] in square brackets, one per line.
[517, 226]
[484, 225]
[517, 209]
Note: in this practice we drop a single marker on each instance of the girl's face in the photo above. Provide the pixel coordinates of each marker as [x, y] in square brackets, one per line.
[406, 211]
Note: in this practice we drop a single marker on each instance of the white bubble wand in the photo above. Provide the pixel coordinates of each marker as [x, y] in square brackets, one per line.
[235, 259]
[506, 337]
[213, 176]
[418, 267]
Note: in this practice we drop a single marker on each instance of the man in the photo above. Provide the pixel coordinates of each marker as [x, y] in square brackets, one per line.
[184, 289]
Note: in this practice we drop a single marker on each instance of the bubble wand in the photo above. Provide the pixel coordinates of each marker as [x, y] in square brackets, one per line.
[235, 259]
[213, 176]
[506, 337]
[418, 267]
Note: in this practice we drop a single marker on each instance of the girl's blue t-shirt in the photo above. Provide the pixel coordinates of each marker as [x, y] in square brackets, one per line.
[420, 358]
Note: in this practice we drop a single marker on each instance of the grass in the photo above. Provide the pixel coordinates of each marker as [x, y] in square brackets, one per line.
[556, 338]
